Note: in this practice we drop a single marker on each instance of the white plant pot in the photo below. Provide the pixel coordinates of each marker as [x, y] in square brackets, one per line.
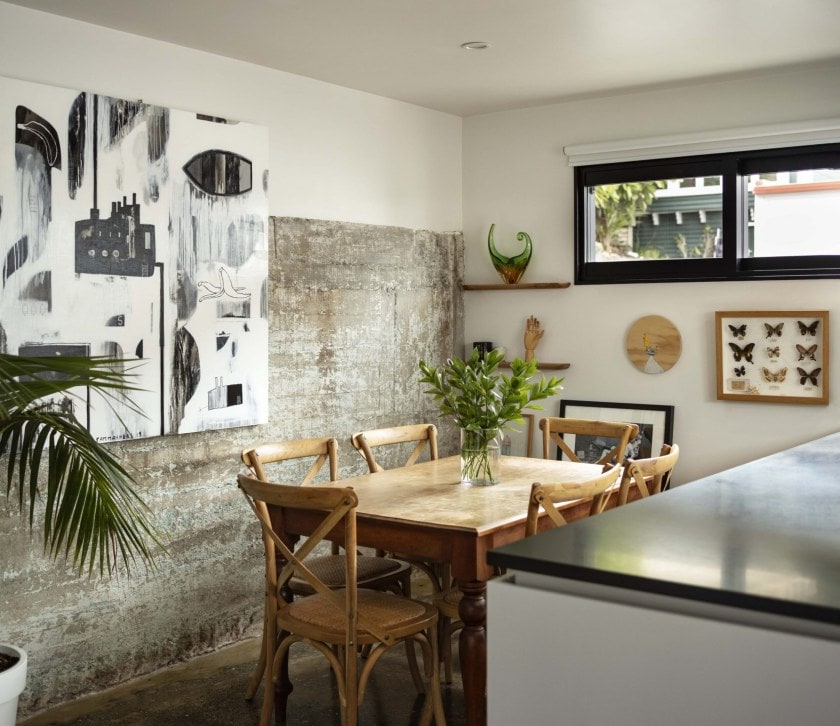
[12, 683]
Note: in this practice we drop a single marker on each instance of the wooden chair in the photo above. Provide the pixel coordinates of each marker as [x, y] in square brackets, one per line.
[337, 623]
[541, 498]
[651, 476]
[544, 496]
[371, 572]
[423, 436]
[554, 428]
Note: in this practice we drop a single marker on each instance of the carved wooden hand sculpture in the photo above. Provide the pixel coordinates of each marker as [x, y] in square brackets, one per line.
[533, 333]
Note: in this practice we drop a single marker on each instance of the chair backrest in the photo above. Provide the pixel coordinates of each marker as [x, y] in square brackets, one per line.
[543, 497]
[324, 450]
[334, 506]
[554, 427]
[423, 434]
[651, 475]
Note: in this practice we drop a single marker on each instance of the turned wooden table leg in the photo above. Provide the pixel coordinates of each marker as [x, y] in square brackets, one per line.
[473, 650]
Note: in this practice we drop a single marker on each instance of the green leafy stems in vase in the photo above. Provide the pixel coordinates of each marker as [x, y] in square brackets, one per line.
[510, 268]
[482, 402]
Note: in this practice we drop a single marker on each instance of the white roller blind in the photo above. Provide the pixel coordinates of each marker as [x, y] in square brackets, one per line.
[800, 133]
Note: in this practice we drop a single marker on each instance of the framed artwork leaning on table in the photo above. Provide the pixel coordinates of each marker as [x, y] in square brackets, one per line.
[655, 422]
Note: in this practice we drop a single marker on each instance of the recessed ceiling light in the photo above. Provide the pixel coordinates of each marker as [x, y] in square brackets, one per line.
[475, 45]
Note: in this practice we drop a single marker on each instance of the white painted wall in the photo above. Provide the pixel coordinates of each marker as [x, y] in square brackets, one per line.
[346, 155]
[336, 153]
[515, 174]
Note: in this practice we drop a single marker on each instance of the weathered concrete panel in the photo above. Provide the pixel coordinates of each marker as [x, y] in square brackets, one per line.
[352, 309]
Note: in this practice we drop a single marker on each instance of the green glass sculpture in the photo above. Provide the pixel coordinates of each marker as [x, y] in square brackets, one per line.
[510, 268]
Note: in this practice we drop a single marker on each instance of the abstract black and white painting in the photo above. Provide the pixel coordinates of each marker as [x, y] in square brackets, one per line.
[138, 232]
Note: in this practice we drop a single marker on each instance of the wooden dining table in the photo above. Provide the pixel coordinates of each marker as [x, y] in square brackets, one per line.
[426, 512]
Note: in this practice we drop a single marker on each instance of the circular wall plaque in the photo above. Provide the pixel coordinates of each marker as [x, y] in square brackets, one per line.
[653, 344]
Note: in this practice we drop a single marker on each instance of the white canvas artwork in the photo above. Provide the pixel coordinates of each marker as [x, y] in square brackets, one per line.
[137, 232]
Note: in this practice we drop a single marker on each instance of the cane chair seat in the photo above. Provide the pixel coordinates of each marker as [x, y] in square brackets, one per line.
[394, 614]
[376, 573]
[330, 570]
[338, 623]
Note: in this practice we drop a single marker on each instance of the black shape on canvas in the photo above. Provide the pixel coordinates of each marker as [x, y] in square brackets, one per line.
[35, 131]
[221, 173]
[118, 245]
[76, 142]
[39, 288]
[15, 257]
[224, 396]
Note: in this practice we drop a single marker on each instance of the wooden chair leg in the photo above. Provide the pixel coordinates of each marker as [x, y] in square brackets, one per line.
[434, 683]
[257, 676]
[419, 683]
[351, 687]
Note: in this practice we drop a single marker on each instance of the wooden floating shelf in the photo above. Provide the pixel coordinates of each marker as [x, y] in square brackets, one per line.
[520, 286]
[541, 366]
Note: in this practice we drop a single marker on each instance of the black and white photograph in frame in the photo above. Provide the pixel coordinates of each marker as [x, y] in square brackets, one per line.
[655, 422]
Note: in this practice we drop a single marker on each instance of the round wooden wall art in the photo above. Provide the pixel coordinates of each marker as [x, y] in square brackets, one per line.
[653, 344]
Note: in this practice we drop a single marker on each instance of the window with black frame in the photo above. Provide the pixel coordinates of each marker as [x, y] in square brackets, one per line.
[733, 216]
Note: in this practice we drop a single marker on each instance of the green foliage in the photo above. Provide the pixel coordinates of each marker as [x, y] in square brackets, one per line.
[90, 506]
[618, 205]
[481, 399]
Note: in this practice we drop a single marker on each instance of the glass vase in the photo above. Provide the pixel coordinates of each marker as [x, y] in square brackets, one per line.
[480, 457]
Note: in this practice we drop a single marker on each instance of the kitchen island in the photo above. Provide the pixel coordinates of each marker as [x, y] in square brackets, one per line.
[715, 603]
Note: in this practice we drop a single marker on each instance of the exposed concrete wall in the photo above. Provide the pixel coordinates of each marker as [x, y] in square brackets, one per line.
[352, 309]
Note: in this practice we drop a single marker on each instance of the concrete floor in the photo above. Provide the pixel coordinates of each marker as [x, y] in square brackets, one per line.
[208, 691]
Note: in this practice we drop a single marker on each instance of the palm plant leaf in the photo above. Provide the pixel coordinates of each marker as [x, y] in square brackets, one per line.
[91, 511]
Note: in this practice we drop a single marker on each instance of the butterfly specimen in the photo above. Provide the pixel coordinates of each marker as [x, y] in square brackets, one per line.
[773, 329]
[738, 331]
[808, 329]
[803, 351]
[745, 352]
[773, 352]
[805, 376]
[774, 377]
[740, 371]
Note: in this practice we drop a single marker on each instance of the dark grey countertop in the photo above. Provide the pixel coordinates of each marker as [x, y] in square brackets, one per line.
[763, 536]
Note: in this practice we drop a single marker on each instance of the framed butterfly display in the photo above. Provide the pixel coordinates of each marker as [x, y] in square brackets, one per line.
[773, 355]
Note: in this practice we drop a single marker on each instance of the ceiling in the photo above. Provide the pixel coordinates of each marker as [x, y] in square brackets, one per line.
[541, 51]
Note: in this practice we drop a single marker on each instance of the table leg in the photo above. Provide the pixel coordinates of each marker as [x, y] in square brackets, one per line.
[473, 650]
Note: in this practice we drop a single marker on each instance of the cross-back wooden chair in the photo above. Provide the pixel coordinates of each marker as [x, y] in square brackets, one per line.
[541, 498]
[651, 476]
[545, 495]
[337, 623]
[423, 436]
[554, 428]
[617, 435]
[372, 572]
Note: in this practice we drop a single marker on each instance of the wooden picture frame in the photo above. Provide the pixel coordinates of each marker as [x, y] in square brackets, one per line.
[777, 356]
[656, 427]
